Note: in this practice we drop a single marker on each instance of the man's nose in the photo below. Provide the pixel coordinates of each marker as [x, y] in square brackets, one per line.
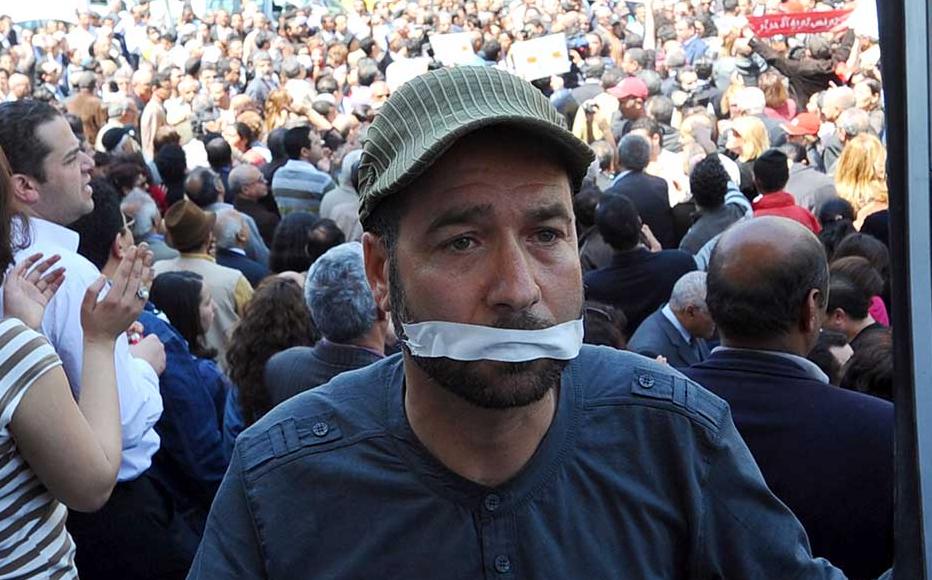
[513, 278]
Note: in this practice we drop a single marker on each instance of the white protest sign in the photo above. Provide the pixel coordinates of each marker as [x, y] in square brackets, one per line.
[540, 57]
[64, 10]
[453, 49]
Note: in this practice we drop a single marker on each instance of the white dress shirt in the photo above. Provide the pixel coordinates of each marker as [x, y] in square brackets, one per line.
[137, 382]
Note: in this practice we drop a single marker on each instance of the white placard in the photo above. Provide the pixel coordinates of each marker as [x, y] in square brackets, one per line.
[64, 10]
[540, 57]
[453, 49]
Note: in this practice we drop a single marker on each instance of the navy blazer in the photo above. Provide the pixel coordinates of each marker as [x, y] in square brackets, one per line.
[827, 452]
[638, 281]
[650, 197]
[251, 269]
[657, 336]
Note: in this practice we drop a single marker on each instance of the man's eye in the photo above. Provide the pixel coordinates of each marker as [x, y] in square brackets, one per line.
[461, 244]
[547, 236]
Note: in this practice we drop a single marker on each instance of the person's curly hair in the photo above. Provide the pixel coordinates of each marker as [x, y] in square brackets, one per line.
[275, 319]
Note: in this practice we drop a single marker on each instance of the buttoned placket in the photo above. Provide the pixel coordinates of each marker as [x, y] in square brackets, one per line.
[498, 533]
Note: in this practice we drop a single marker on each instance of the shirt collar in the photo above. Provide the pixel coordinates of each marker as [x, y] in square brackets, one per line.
[198, 256]
[52, 234]
[620, 176]
[669, 315]
[806, 365]
[239, 251]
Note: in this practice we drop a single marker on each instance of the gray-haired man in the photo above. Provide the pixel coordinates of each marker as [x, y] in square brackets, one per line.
[354, 330]
[679, 329]
[231, 233]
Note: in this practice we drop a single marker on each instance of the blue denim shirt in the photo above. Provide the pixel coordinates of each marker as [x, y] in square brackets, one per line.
[195, 451]
[641, 475]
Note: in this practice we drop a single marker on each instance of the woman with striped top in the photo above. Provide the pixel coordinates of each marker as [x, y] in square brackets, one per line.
[54, 450]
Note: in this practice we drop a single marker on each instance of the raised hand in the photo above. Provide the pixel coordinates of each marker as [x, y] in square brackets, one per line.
[108, 318]
[28, 289]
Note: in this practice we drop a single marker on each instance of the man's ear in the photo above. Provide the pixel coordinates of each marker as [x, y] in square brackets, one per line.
[813, 311]
[24, 189]
[375, 256]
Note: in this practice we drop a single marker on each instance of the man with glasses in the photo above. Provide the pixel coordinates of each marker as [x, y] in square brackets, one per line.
[250, 190]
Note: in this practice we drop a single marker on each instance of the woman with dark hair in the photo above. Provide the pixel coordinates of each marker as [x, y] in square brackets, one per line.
[126, 176]
[836, 216]
[870, 369]
[277, 318]
[604, 325]
[196, 448]
[289, 245]
[187, 302]
[878, 255]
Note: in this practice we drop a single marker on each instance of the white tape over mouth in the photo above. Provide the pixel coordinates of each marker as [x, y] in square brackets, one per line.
[471, 342]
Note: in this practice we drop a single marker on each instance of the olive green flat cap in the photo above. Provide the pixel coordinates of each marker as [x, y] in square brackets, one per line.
[430, 113]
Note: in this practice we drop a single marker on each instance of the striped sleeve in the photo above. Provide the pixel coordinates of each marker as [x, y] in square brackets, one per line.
[25, 355]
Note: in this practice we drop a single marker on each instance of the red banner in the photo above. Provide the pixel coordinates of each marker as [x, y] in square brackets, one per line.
[798, 22]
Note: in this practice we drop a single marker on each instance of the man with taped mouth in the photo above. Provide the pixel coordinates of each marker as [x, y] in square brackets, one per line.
[495, 445]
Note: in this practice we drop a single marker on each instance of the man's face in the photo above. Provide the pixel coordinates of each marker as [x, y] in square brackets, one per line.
[208, 76]
[683, 31]
[632, 108]
[864, 97]
[51, 75]
[143, 89]
[263, 68]
[487, 238]
[256, 187]
[164, 91]
[187, 91]
[699, 323]
[629, 65]
[65, 195]
[20, 86]
[218, 95]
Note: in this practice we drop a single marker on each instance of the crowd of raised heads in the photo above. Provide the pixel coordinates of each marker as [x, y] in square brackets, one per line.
[180, 202]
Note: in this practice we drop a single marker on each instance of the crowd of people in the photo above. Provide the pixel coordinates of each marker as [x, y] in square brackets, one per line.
[199, 224]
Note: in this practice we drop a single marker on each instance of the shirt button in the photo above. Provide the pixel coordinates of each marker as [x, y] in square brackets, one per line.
[492, 502]
[646, 381]
[320, 428]
[502, 564]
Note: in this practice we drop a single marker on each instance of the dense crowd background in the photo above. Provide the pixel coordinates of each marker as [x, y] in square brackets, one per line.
[230, 144]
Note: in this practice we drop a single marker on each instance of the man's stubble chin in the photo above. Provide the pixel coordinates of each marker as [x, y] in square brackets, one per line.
[492, 384]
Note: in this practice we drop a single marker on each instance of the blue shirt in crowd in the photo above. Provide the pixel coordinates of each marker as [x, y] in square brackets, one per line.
[195, 449]
[641, 475]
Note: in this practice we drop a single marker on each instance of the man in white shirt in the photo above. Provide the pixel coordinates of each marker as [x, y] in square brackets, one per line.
[51, 176]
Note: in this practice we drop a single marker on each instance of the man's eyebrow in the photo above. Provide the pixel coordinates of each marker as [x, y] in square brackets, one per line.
[460, 216]
[72, 152]
[548, 212]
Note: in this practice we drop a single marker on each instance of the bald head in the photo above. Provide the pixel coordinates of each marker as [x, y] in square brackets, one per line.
[768, 278]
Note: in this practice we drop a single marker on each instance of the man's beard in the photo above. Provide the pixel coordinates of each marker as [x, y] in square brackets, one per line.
[486, 384]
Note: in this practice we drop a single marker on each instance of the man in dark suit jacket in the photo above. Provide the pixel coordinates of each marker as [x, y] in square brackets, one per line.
[679, 330]
[648, 193]
[638, 280]
[825, 451]
[343, 308]
[232, 234]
